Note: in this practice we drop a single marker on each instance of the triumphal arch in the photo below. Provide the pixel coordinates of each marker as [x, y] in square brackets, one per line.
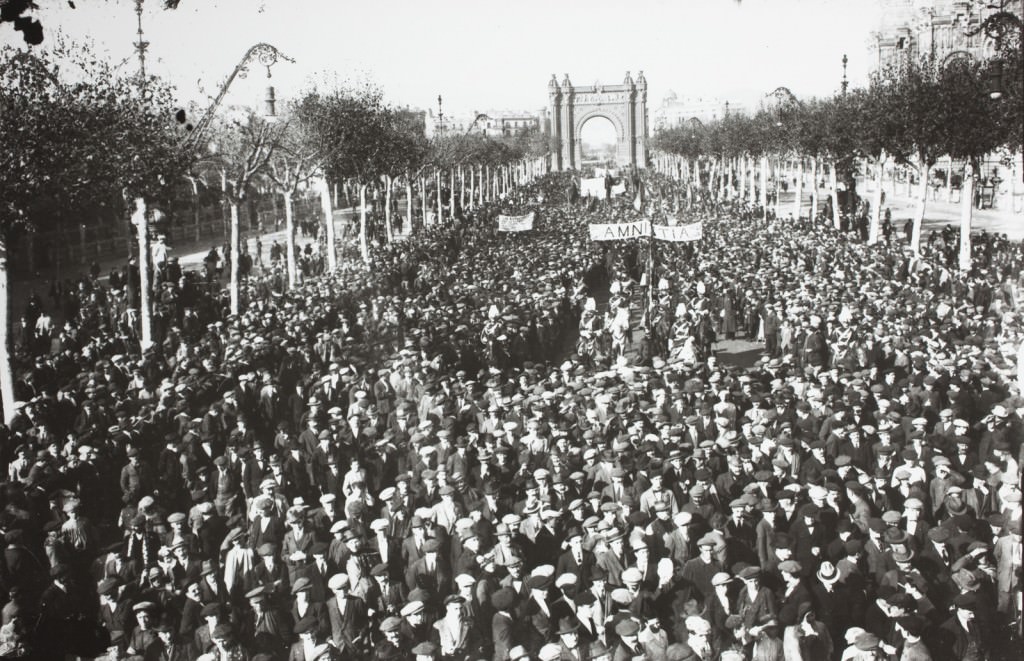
[625, 106]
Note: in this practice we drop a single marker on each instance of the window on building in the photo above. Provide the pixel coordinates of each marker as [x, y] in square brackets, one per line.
[901, 43]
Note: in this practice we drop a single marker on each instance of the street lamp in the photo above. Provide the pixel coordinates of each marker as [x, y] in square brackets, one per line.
[783, 97]
[997, 27]
[994, 81]
[473, 123]
[263, 53]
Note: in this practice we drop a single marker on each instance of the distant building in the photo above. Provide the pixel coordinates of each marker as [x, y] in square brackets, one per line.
[947, 30]
[674, 111]
[485, 122]
[943, 29]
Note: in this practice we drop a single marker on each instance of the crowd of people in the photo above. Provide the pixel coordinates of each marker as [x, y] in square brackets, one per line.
[528, 446]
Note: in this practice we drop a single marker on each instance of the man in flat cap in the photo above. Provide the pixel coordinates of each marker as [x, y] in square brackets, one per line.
[348, 617]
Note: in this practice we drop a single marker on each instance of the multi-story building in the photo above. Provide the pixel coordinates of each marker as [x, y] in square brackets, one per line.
[485, 122]
[942, 29]
[674, 111]
[947, 30]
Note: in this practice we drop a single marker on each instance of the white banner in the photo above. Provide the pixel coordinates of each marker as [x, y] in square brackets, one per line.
[616, 231]
[593, 187]
[515, 223]
[679, 233]
[643, 228]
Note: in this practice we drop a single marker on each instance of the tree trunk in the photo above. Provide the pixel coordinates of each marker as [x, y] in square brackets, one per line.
[328, 211]
[966, 210]
[6, 375]
[764, 187]
[814, 189]
[833, 183]
[472, 186]
[876, 203]
[922, 190]
[440, 200]
[407, 225]
[741, 168]
[387, 209]
[752, 189]
[195, 207]
[949, 180]
[451, 194]
[233, 287]
[462, 187]
[423, 198]
[289, 239]
[141, 221]
[225, 210]
[798, 189]
[778, 187]
[364, 244]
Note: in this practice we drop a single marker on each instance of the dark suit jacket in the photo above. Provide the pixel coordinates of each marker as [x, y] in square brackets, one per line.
[503, 633]
[567, 565]
[317, 610]
[349, 626]
[789, 605]
[437, 582]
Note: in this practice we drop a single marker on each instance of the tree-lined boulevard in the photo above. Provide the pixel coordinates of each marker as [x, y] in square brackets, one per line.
[420, 396]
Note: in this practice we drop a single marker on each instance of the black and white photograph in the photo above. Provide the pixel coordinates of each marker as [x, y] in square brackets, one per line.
[576, 330]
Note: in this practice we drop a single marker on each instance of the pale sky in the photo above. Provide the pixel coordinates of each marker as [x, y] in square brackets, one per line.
[487, 55]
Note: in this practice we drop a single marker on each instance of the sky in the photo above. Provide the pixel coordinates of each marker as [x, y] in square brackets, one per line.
[485, 55]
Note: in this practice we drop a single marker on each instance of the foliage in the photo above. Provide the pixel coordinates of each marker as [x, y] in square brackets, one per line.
[976, 124]
[914, 111]
[350, 125]
[83, 143]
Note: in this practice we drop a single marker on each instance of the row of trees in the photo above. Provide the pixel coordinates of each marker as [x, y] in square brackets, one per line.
[912, 114]
[75, 136]
[82, 139]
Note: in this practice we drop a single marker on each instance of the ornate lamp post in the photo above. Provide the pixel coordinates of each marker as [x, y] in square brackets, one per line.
[263, 53]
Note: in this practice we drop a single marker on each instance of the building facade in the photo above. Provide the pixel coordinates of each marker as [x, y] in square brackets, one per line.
[947, 30]
[674, 111]
[485, 122]
[942, 29]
